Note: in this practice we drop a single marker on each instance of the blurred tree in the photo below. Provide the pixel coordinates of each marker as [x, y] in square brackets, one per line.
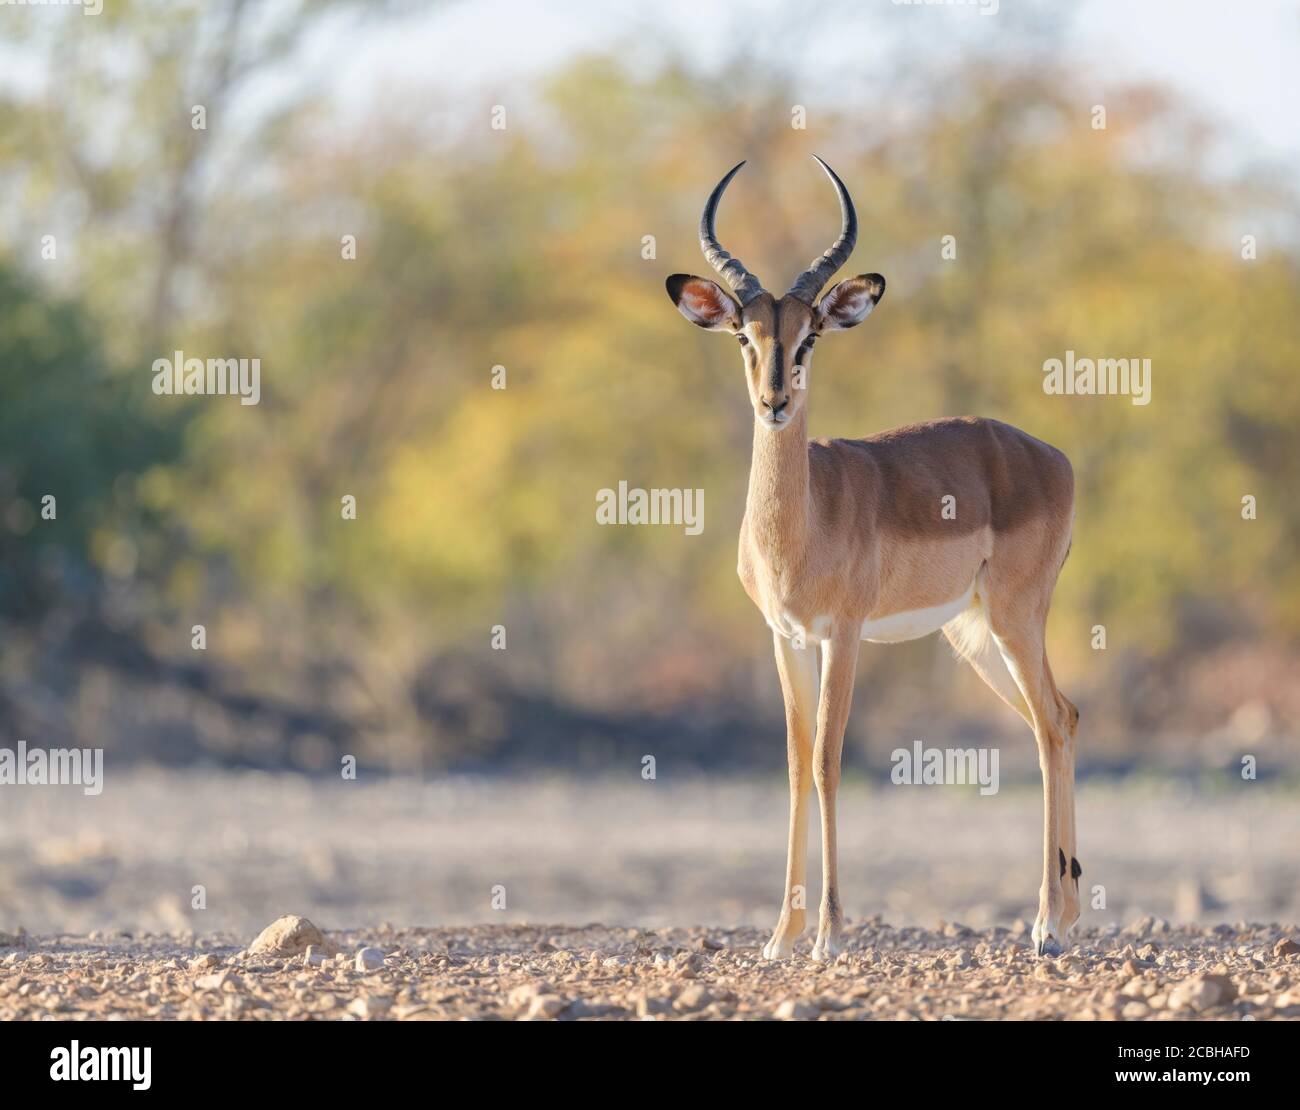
[524, 249]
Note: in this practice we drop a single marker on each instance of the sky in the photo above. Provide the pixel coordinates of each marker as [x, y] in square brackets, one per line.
[1237, 61]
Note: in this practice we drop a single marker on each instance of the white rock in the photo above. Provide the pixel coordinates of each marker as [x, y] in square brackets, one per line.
[370, 1006]
[370, 959]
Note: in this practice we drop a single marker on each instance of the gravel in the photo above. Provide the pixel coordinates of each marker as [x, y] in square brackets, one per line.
[1148, 971]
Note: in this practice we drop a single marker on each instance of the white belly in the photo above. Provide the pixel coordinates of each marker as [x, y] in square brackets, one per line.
[912, 624]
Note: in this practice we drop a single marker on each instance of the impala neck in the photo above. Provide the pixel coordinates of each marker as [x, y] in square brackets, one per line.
[778, 501]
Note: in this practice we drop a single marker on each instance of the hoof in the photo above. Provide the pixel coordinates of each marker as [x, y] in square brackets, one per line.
[1048, 946]
[825, 951]
[779, 948]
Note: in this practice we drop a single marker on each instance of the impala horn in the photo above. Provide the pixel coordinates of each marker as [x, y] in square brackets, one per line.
[744, 284]
[808, 284]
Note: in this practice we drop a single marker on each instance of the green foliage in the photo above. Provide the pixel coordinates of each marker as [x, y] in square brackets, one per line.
[70, 431]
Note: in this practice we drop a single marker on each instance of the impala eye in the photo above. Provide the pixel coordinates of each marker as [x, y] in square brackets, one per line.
[744, 341]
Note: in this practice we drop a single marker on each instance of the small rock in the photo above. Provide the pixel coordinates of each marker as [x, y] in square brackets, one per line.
[687, 968]
[289, 935]
[369, 959]
[313, 957]
[794, 1010]
[204, 963]
[370, 1006]
[213, 982]
[708, 944]
[1202, 993]
[1285, 946]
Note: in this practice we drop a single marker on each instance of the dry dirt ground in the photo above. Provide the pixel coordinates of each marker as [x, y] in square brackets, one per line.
[1145, 972]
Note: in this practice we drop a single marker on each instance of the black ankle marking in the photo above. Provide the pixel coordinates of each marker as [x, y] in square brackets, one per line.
[1062, 852]
[1075, 871]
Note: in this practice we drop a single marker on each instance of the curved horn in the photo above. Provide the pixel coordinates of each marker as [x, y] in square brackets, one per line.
[808, 284]
[745, 285]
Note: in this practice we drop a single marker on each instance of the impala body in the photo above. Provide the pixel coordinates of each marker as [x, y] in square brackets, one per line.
[961, 525]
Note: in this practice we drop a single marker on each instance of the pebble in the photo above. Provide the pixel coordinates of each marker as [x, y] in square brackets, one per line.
[369, 959]
[370, 1006]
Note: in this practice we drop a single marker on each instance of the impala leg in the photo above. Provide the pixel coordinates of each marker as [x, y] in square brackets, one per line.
[839, 665]
[797, 668]
[1072, 878]
[1028, 666]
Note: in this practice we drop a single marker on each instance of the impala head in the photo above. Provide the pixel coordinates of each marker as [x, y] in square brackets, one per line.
[776, 335]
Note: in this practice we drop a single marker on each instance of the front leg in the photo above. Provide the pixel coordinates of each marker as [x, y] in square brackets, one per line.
[797, 668]
[839, 668]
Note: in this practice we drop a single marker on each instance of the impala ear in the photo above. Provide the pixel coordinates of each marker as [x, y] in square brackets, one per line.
[704, 303]
[850, 302]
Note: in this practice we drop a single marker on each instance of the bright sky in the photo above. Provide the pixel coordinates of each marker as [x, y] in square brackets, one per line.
[1236, 59]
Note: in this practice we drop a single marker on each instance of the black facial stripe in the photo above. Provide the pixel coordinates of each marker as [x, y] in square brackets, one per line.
[778, 371]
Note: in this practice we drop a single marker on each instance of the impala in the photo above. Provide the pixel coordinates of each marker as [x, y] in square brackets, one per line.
[959, 524]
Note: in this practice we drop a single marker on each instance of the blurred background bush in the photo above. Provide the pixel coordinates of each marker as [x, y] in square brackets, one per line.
[523, 248]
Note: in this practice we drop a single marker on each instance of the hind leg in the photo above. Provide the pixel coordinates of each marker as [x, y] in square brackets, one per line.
[1071, 871]
[1022, 650]
[972, 638]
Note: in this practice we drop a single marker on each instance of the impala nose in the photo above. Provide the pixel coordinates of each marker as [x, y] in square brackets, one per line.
[776, 404]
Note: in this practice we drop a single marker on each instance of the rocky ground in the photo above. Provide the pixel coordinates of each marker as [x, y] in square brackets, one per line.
[1146, 971]
[145, 901]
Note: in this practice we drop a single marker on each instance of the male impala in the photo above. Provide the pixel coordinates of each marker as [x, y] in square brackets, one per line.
[848, 540]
